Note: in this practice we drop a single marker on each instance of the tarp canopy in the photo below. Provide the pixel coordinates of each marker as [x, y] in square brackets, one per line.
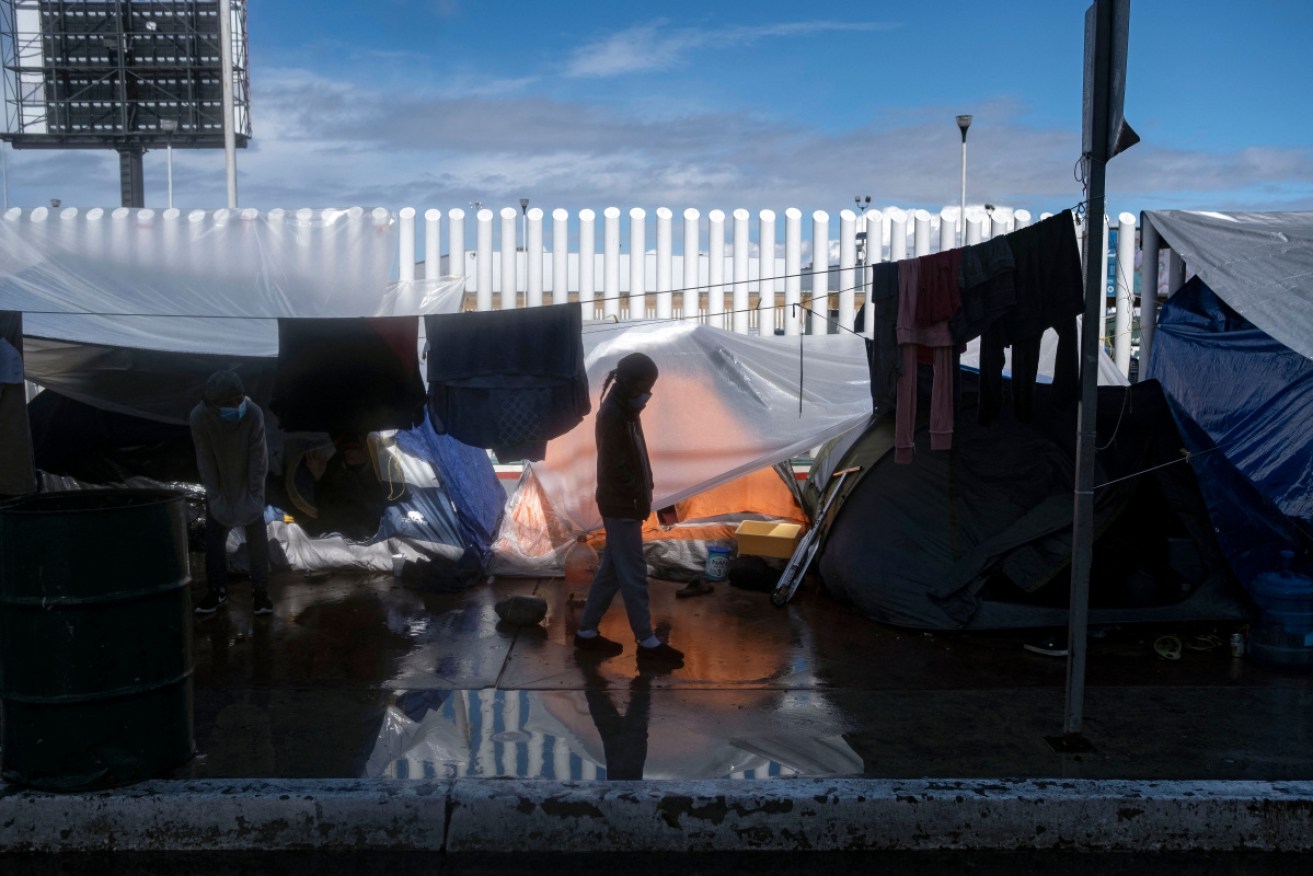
[124, 308]
[1233, 350]
[1260, 264]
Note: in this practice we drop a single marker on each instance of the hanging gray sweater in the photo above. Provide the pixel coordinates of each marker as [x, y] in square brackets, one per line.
[233, 461]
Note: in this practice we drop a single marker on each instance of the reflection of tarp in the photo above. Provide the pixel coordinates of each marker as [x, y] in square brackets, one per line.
[980, 536]
[553, 734]
[1234, 353]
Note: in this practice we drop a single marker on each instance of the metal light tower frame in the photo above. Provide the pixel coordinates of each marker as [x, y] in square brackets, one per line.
[104, 74]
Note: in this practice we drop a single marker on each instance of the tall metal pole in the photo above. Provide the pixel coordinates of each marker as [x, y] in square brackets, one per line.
[1083, 504]
[229, 134]
[169, 151]
[963, 122]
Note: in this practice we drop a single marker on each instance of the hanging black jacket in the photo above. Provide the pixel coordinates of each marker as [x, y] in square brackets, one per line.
[624, 475]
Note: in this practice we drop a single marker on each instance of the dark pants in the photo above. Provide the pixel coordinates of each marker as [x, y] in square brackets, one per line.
[216, 554]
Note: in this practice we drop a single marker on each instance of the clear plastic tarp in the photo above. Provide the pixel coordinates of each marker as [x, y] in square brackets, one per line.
[211, 282]
[725, 405]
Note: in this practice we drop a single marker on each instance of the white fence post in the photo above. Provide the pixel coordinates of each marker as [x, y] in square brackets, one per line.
[1020, 219]
[560, 256]
[818, 315]
[739, 319]
[947, 232]
[611, 263]
[973, 225]
[716, 268]
[533, 253]
[1125, 288]
[897, 235]
[664, 305]
[484, 250]
[766, 273]
[433, 244]
[847, 269]
[509, 257]
[406, 244]
[638, 263]
[691, 260]
[457, 262]
[921, 241]
[792, 270]
[587, 263]
[873, 256]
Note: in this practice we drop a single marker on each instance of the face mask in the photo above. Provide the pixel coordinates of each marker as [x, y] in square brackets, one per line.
[232, 415]
[639, 402]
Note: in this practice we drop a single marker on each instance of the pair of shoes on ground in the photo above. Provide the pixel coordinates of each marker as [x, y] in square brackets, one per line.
[260, 602]
[661, 655]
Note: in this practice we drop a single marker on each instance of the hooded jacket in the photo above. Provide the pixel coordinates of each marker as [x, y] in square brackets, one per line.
[233, 460]
[624, 474]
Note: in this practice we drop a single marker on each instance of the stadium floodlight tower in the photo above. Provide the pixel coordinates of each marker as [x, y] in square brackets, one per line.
[109, 74]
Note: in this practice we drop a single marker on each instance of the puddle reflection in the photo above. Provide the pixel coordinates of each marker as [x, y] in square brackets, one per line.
[598, 733]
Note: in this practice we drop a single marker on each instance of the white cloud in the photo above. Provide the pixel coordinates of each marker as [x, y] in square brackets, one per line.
[658, 46]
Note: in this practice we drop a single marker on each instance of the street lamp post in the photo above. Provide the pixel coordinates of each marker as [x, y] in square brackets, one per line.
[963, 122]
[168, 126]
[524, 214]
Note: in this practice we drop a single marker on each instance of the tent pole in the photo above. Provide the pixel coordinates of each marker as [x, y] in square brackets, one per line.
[1083, 512]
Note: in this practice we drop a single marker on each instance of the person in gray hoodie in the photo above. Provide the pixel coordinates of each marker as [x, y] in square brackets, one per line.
[228, 431]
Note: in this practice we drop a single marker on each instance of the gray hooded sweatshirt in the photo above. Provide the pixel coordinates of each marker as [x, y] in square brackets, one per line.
[233, 461]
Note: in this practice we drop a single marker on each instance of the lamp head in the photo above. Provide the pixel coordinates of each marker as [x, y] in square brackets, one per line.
[168, 126]
[524, 204]
[964, 122]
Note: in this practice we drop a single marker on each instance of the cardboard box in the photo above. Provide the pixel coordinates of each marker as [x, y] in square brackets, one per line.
[765, 538]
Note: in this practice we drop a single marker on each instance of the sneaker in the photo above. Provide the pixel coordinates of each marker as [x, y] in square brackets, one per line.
[261, 603]
[696, 587]
[210, 604]
[598, 644]
[1049, 646]
[662, 654]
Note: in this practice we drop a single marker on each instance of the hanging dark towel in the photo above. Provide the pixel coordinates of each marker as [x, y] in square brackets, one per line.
[987, 290]
[885, 357]
[348, 375]
[1049, 294]
[509, 380]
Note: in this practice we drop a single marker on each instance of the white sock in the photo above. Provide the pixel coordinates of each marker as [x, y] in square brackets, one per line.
[649, 642]
[587, 634]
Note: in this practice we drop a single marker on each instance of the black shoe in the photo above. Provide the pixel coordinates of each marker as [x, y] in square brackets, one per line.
[662, 655]
[210, 604]
[261, 603]
[598, 644]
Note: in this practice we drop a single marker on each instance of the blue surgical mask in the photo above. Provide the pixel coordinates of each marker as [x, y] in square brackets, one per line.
[639, 402]
[232, 415]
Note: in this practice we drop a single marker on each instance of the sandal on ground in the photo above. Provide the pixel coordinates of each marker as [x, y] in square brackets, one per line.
[1168, 647]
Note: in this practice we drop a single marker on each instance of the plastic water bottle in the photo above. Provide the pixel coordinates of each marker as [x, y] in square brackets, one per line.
[580, 563]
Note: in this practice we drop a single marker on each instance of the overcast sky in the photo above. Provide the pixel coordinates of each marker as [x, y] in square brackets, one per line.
[720, 104]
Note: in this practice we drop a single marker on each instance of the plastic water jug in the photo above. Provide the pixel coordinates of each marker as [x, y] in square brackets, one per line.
[1284, 634]
[580, 563]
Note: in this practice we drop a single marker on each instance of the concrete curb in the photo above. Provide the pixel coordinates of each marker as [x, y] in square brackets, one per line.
[509, 816]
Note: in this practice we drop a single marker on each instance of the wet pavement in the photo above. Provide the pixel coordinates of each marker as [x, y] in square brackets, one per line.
[374, 677]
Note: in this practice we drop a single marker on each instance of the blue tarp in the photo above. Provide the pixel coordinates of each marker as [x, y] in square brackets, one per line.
[1244, 404]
